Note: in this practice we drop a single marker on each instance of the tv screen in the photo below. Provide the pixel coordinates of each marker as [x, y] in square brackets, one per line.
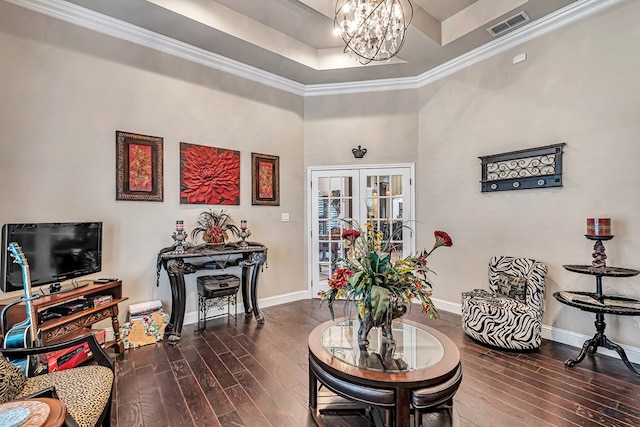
[55, 252]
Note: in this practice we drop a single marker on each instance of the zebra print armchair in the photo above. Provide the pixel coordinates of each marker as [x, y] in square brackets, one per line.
[510, 315]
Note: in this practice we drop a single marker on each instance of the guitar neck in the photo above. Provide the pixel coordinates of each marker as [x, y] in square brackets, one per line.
[19, 258]
[26, 279]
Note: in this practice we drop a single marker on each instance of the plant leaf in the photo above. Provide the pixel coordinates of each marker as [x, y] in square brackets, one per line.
[380, 299]
[355, 278]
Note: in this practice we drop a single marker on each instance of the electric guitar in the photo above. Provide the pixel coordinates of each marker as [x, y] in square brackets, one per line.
[23, 334]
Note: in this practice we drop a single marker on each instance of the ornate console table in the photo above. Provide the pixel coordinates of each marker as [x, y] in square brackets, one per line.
[250, 258]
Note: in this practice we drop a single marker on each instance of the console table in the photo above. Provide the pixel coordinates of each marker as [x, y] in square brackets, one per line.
[251, 258]
[422, 371]
[600, 304]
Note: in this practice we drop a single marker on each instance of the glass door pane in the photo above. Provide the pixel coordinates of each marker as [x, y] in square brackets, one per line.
[384, 202]
[333, 202]
[376, 195]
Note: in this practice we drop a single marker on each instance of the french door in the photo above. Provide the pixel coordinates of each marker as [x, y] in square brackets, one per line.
[381, 195]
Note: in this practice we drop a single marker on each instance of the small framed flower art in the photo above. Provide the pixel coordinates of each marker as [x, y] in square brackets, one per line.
[265, 179]
[209, 175]
[139, 167]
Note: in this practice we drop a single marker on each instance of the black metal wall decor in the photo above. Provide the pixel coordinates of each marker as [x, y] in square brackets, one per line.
[359, 152]
[539, 167]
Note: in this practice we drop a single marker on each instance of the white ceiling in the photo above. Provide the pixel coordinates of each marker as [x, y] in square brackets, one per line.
[289, 44]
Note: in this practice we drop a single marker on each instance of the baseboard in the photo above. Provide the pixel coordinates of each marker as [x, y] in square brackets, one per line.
[450, 307]
[575, 339]
[562, 336]
[191, 317]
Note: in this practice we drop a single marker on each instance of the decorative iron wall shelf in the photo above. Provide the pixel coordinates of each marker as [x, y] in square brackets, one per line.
[539, 167]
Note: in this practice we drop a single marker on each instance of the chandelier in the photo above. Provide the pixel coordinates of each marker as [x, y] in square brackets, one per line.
[374, 30]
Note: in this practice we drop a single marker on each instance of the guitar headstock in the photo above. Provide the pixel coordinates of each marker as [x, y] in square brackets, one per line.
[18, 256]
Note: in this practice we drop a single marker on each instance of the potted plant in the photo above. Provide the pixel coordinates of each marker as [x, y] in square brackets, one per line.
[380, 286]
[214, 226]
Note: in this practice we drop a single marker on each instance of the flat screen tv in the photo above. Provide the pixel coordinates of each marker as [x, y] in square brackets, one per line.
[55, 252]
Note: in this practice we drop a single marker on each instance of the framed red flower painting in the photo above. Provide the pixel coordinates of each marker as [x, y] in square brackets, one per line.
[265, 179]
[209, 175]
[139, 167]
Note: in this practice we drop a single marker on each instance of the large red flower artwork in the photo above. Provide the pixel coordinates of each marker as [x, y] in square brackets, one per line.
[209, 175]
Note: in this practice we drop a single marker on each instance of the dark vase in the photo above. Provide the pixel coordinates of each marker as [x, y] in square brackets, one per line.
[367, 322]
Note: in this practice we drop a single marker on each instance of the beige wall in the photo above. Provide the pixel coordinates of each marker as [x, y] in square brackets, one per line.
[579, 85]
[66, 90]
[386, 124]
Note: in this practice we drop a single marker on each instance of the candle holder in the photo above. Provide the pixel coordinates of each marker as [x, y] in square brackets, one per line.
[599, 255]
[599, 229]
[243, 234]
[179, 236]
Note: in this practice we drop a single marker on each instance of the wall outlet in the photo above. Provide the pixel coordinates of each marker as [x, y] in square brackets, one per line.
[519, 58]
[285, 217]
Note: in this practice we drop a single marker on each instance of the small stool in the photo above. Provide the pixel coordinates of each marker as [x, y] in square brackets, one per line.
[437, 397]
[214, 291]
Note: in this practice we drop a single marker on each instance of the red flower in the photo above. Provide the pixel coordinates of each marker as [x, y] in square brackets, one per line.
[210, 175]
[422, 258]
[350, 234]
[442, 239]
[340, 278]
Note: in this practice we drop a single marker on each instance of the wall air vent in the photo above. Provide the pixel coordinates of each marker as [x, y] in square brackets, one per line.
[509, 24]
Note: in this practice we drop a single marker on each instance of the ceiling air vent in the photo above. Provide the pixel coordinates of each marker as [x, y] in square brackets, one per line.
[509, 24]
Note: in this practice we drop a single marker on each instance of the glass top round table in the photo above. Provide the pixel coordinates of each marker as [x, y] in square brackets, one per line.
[383, 376]
[415, 348]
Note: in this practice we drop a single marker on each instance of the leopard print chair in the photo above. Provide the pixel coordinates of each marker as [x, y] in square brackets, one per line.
[508, 316]
[85, 390]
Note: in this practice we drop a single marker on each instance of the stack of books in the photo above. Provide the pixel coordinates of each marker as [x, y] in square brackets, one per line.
[570, 296]
[99, 300]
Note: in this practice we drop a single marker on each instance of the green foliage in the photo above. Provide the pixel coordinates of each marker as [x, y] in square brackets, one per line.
[370, 275]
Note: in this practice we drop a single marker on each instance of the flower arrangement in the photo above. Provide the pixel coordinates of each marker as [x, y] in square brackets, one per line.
[214, 226]
[369, 277]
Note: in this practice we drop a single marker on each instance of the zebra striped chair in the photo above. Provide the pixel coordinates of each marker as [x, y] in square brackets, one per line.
[510, 315]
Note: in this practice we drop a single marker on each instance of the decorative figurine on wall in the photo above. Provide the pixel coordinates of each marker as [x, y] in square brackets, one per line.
[359, 152]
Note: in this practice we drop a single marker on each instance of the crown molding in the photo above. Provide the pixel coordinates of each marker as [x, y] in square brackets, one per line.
[361, 87]
[560, 18]
[100, 23]
[91, 20]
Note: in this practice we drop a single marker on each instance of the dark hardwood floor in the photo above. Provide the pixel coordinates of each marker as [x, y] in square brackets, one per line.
[245, 375]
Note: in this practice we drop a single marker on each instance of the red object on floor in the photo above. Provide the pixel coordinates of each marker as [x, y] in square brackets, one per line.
[72, 356]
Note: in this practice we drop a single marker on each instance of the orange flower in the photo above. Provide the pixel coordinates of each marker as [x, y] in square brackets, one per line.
[340, 278]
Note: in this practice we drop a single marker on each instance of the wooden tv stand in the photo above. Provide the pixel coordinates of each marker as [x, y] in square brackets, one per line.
[63, 328]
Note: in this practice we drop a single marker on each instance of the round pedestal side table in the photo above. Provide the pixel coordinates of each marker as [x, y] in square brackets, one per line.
[600, 304]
